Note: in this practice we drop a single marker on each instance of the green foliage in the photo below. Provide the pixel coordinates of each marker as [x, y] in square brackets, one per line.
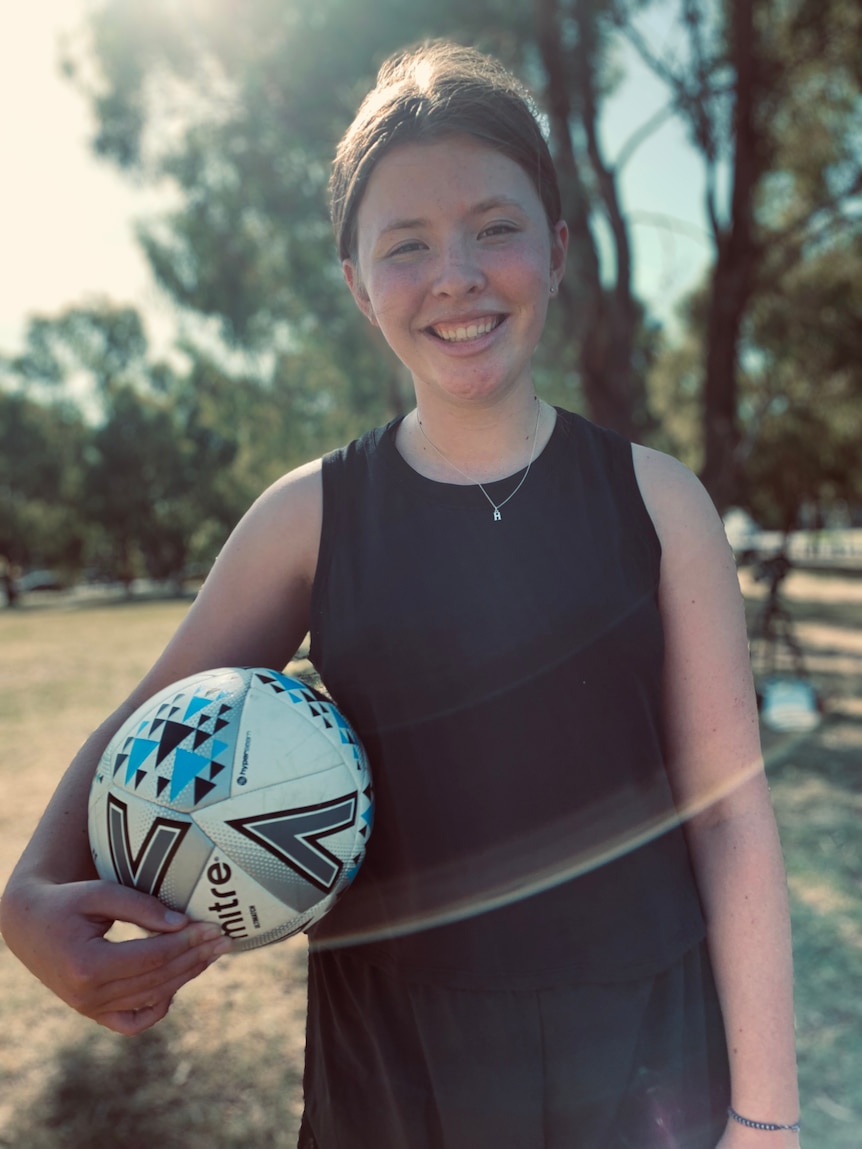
[144, 484]
[40, 480]
[803, 389]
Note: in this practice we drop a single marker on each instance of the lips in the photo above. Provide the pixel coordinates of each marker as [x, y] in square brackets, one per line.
[465, 330]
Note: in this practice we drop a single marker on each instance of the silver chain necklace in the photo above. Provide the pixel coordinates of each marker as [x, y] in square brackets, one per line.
[495, 506]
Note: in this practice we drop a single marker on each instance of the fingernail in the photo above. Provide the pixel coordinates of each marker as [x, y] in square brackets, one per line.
[208, 931]
[222, 946]
[172, 918]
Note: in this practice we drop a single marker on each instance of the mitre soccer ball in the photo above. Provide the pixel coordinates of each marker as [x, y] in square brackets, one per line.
[239, 796]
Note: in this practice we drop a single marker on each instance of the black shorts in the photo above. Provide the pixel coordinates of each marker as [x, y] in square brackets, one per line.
[392, 1064]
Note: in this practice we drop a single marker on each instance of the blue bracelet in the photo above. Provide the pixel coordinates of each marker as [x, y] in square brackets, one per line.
[769, 1126]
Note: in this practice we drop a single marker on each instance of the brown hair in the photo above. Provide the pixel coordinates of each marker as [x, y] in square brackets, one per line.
[423, 94]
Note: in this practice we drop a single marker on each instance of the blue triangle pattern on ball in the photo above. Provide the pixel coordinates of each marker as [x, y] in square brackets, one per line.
[186, 768]
[275, 681]
[139, 751]
[196, 703]
[218, 748]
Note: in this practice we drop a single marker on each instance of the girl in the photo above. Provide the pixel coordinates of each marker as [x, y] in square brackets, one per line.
[571, 926]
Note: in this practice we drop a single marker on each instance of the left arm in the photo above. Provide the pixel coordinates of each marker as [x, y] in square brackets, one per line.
[717, 774]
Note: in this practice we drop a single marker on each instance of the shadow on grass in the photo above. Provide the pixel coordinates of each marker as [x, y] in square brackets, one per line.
[816, 785]
[138, 1093]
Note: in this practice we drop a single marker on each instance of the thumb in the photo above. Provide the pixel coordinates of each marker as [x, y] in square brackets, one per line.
[124, 904]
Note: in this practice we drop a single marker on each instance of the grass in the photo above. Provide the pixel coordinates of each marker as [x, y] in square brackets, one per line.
[223, 1070]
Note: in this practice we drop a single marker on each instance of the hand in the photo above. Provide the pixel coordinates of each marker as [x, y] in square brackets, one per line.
[58, 932]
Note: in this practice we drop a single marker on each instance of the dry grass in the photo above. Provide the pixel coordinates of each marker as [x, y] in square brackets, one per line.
[225, 1068]
[223, 1071]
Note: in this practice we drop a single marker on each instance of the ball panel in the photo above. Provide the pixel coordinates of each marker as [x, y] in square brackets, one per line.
[276, 740]
[247, 913]
[294, 837]
[322, 714]
[143, 845]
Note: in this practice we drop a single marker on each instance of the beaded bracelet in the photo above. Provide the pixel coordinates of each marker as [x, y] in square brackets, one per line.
[769, 1126]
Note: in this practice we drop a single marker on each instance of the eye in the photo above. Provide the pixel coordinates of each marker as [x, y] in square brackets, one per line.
[494, 230]
[408, 247]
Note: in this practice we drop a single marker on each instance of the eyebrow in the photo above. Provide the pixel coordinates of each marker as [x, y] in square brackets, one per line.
[477, 209]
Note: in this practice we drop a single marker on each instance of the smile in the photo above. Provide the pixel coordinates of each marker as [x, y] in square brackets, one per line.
[463, 332]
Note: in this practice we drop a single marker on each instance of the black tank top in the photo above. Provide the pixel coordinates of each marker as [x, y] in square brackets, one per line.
[506, 679]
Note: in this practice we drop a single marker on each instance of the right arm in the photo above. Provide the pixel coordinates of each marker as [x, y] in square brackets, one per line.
[253, 610]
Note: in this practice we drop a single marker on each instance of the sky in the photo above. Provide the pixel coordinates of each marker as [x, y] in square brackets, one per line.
[67, 219]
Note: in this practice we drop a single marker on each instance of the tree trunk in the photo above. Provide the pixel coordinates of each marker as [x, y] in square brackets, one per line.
[733, 275]
[603, 321]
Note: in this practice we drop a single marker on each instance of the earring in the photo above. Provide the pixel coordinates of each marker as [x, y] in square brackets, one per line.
[553, 289]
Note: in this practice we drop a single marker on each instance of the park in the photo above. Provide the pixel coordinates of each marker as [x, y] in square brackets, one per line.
[225, 1068]
[710, 174]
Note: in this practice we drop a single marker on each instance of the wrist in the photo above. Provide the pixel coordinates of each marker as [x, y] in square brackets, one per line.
[761, 1125]
[738, 1135]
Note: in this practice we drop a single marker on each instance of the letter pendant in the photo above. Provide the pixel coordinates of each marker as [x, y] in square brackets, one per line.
[497, 515]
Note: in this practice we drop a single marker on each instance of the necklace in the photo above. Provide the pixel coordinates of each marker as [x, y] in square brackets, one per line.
[495, 506]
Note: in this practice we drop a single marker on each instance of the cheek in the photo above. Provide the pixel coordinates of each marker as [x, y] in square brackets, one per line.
[521, 272]
[394, 291]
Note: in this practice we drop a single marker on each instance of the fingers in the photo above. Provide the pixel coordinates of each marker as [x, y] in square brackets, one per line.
[113, 902]
[134, 1021]
[146, 1000]
[135, 975]
[58, 931]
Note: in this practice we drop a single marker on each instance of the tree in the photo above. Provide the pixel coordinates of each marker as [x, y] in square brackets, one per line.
[259, 119]
[41, 449]
[146, 473]
[605, 321]
[801, 391]
[771, 95]
[244, 117]
[134, 477]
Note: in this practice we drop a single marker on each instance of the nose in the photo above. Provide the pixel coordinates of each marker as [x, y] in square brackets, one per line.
[459, 271]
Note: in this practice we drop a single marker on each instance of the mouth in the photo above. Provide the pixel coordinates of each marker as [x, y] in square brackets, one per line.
[467, 330]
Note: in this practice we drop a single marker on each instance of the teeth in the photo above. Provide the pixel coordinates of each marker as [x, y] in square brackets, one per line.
[468, 331]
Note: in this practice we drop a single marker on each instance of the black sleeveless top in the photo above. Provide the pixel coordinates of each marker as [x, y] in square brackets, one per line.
[506, 680]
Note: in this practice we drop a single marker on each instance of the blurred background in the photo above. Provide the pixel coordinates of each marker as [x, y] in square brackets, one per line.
[174, 332]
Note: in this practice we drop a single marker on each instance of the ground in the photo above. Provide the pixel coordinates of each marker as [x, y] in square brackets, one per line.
[223, 1071]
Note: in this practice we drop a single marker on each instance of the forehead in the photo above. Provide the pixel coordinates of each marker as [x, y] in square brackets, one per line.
[457, 174]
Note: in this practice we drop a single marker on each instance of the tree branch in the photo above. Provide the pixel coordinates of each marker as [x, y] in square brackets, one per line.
[642, 134]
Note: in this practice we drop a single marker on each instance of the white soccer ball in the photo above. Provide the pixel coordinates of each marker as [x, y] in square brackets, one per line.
[238, 796]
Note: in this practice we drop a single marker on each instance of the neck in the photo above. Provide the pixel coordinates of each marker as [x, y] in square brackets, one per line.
[475, 446]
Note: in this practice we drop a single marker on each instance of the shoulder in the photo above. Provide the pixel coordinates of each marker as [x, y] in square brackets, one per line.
[283, 524]
[668, 487]
[682, 511]
[699, 583]
[271, 554]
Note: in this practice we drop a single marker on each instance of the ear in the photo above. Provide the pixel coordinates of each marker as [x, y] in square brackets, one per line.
[559, 248]
[357, 290]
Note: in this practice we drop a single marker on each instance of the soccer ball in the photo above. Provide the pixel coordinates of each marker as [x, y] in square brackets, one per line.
[239, 796]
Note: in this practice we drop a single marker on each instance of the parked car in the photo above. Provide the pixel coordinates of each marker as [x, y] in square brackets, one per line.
[39, 580]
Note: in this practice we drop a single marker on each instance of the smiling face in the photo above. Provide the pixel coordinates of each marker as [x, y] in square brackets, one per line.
[455, 261]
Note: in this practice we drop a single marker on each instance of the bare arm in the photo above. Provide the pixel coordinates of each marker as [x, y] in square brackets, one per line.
[252, 611]
[717, 772]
